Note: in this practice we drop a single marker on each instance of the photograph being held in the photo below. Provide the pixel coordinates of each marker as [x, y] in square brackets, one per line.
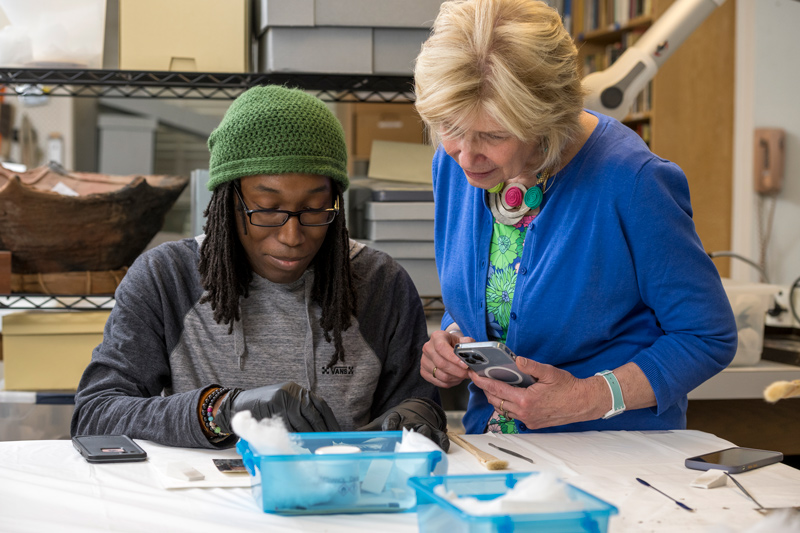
[274, 310]
[560, 234]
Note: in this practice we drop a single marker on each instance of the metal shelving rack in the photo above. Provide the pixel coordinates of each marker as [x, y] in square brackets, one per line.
[199, 85]
[188, 85]
[20, 301]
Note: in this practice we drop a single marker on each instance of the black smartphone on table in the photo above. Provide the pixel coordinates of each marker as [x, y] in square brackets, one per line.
[494, 360]
[108, 448]
[734, 460]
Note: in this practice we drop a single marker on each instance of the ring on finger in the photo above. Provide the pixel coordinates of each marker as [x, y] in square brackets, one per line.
[433, 374]
[501, 405]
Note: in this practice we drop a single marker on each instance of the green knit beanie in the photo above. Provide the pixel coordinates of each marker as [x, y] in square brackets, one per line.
[275, 130]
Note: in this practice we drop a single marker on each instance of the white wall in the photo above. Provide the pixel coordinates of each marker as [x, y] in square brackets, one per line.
[767, 89]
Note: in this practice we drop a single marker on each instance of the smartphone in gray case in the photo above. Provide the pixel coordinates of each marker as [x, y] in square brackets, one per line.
[734, 460]
[108, 448]
[494, 360]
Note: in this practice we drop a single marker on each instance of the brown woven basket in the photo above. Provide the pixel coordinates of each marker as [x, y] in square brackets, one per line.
[105, 227]
[68, 283]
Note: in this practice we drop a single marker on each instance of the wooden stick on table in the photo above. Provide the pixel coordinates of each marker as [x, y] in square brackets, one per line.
[486, 459]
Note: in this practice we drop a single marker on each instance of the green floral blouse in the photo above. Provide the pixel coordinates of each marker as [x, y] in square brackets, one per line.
[504, 257]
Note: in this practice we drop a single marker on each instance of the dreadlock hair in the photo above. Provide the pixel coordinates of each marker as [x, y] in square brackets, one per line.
[334, 281]
[226, 273]
[224, 268]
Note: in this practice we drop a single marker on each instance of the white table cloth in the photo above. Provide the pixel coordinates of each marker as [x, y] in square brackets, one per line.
[48, 486]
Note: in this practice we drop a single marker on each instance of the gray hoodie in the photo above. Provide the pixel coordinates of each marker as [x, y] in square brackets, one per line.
[161, 348]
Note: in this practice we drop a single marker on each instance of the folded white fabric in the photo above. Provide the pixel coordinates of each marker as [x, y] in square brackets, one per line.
[710, 479]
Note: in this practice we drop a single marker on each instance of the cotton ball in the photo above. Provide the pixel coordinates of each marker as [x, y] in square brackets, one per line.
[542, 487]
[301, 486]
[267, 436]
[442, 492]
[417, 442]
[413, 441]
[537, 493]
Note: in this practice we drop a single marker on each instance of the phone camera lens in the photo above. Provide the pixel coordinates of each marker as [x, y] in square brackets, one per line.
[473, 358]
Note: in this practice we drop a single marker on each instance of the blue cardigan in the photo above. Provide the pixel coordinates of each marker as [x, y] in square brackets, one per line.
[612, 271]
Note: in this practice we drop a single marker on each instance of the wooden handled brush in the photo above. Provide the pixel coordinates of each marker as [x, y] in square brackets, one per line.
[486, 459]
[782, 389]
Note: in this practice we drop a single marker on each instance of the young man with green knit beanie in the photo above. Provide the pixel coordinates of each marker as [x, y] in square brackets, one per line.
[273, 310]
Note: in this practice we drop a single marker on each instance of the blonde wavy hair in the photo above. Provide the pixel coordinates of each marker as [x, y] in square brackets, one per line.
[512, 59]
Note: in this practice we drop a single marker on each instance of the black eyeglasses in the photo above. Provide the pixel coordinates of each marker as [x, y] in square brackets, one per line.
[272, 218]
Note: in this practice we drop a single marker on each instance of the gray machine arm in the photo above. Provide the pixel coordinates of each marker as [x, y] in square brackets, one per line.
[613, 90]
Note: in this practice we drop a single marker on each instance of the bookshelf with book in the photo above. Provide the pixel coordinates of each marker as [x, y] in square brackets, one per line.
[685, 114]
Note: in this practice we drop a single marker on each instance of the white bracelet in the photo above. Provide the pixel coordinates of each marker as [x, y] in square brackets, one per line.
[617, 401]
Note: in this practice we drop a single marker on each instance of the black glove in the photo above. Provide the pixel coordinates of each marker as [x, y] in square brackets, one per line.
[301, 409]
[420, 414]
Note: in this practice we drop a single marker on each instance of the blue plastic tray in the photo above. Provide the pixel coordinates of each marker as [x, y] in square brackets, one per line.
[372, 481]
[436, 514]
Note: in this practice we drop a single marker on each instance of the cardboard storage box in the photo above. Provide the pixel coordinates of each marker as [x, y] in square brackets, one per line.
[384, 122]
[184, 35]
[395, 50]
[424, 275]
[376, 13]
[418, 259]
[398, 173]
[395, 123]
[371, 13]
[316, 50]
[411, 230]
[405, 249]
[399, 230]
[317, 37]
[49, 350]
[340, 50]
[363, 190]
[271, 13]
[400, 211]
[400, 161]
[404, 230]
[396, 215]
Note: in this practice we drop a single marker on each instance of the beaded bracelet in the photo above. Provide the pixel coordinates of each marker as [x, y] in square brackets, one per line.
[207, 410]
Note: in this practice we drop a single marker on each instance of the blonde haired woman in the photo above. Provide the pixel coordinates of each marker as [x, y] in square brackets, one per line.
[560, 234]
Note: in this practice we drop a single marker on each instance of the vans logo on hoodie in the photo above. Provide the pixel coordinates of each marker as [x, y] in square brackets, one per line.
[338, 370]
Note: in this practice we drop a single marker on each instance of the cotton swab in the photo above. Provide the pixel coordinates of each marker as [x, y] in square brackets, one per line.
[680, 504]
